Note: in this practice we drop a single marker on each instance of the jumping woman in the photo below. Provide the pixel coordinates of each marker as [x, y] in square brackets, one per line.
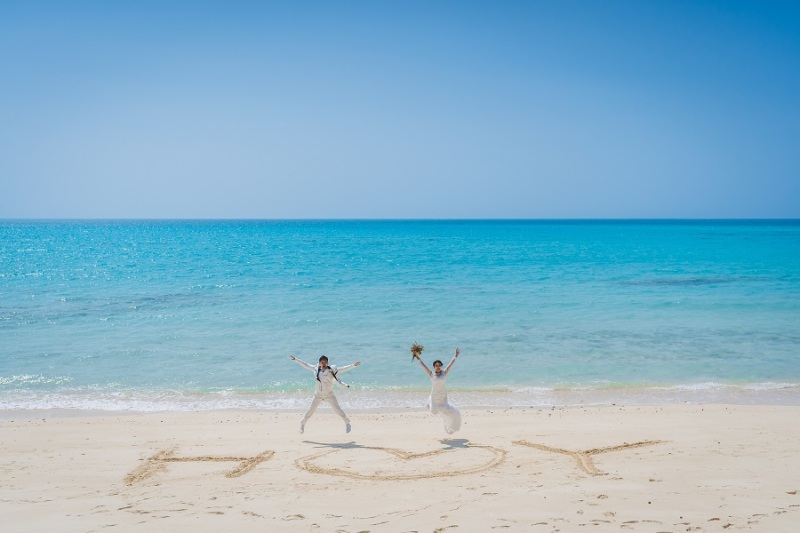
[438, 401]
[326, 376]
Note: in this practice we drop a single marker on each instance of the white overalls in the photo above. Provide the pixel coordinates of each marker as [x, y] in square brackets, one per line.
[324, 389]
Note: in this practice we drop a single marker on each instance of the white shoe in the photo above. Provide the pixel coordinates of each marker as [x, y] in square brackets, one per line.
[347, 429]
[302, 428]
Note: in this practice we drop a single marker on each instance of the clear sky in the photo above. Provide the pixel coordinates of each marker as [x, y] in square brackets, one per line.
[404, 109]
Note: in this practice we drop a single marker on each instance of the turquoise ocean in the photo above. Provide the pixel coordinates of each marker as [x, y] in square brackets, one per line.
[189, 315]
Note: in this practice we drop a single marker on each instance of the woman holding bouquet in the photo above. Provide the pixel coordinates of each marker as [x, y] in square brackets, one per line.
[438, 400]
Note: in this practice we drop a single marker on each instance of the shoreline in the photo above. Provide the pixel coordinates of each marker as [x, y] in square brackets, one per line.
[631, 468]
[60, 412]
[784, 394]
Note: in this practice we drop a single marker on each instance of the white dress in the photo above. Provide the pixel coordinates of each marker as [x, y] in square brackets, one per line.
[439, 405]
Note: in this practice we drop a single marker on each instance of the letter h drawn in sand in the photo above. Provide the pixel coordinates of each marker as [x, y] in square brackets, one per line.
[583, 458]
[157, 463]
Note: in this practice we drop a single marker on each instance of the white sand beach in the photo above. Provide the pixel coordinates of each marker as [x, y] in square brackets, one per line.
[610, 468]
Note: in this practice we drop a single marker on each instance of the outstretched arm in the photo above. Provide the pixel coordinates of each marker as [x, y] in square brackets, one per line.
[452, 361]
[302, 363]
[348, 367]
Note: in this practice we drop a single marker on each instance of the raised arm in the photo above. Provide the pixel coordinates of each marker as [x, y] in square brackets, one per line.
[453, 360]
[425, 368]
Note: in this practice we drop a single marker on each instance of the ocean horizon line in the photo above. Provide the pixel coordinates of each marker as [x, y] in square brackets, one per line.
[409, 219]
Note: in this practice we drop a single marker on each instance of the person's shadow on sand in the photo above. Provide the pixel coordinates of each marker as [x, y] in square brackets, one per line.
[337, 445]
[449, 443]
[455, 443]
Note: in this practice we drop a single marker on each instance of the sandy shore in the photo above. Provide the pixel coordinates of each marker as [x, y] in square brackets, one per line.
[613, 468]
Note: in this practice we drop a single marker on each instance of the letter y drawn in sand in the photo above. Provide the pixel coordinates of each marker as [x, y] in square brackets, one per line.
[583, 458]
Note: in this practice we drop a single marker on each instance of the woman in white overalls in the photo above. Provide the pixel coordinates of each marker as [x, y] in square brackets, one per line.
[326, 375]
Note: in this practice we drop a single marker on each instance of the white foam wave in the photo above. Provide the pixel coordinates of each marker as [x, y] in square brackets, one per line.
[772, 386]
[103, 399]
[693, 386]
[34, 379]
[761, 386]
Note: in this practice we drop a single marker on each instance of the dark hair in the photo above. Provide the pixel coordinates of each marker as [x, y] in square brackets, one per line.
[323, 357]
[437, 361]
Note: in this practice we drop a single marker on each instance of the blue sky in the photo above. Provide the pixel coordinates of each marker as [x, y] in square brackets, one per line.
[540, 109]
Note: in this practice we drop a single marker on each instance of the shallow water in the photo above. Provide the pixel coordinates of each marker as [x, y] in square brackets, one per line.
[154, 315]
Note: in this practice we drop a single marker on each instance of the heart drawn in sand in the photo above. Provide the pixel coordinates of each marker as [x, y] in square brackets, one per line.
[351, 460]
